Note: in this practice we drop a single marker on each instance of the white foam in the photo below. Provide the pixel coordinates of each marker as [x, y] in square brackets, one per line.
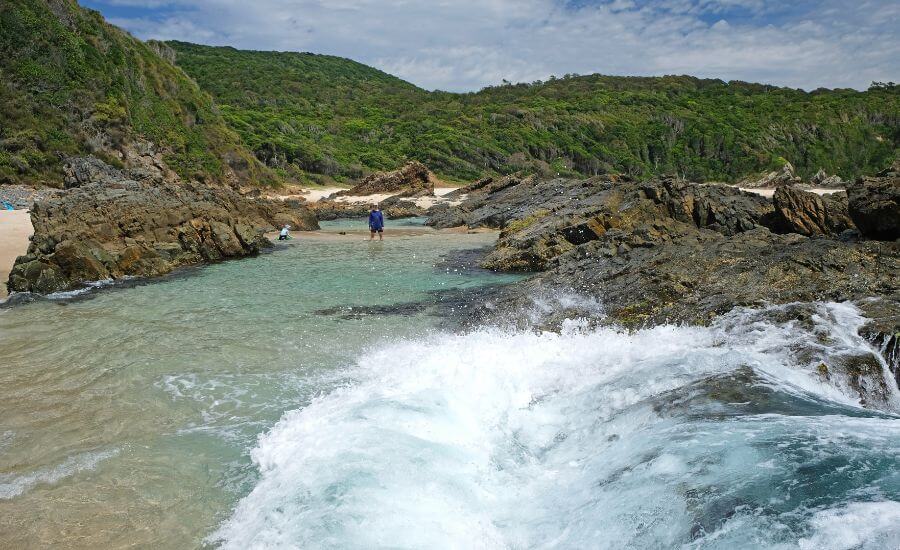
[498, 439]
[856, 526]
[12, 486]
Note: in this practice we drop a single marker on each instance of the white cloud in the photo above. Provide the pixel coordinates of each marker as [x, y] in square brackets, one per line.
[467, 44]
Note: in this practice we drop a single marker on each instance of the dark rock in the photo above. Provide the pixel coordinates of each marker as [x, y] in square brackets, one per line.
[875, 205]
[333, 210]
[809, 214]
[396, 208]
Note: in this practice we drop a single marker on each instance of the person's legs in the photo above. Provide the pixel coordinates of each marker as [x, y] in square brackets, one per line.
[371, 234]
[381, 234]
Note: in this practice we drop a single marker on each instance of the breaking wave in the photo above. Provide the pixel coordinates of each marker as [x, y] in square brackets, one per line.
[699, 437]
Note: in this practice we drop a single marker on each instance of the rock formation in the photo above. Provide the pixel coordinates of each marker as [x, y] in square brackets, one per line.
[875, 204]
[412, 180]
[784, 176]
[666, 251]
[111, 225]
[809, 214]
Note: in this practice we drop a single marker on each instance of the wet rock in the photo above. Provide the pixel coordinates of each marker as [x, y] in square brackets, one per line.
[875, 205]
[883, 329]
[665, 250]
[809, 214]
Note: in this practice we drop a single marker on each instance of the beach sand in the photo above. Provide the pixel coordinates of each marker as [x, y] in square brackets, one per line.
[15, 228]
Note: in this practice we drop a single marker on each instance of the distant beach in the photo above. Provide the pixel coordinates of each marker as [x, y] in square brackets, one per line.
[15, 229]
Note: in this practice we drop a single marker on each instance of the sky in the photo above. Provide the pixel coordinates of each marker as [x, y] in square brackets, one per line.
[464, 45]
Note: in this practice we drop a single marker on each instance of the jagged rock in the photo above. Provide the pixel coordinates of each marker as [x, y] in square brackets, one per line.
[822, 180]
[542, 219]
[666, 250]
[785, 176]
[875, 205]
[81, 170]
[108, 228]
[798, 211]
[413, 179]
[883, 329]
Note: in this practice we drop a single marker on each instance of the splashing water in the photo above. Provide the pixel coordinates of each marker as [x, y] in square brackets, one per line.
[670, 436]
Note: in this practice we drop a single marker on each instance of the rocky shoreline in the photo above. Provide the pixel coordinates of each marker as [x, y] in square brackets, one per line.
[113, 223]
[666, 251]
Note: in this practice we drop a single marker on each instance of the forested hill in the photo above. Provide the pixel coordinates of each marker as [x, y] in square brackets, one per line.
[311, 114]
[72, 84]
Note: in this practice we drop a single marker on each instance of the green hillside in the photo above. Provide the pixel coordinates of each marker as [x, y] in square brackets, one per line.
[315, 114]
[72, 84]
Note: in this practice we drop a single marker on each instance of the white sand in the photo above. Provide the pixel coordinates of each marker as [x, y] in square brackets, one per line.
[15, 228]
[771, 192]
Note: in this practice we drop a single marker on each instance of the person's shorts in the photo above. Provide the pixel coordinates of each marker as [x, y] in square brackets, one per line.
[282, 237]
[374, 229]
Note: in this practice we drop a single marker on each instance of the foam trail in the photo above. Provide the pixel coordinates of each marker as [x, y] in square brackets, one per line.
[670, 436]
[12, 486]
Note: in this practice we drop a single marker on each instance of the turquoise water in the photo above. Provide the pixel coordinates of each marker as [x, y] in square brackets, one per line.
[310, 398]
[129, 417]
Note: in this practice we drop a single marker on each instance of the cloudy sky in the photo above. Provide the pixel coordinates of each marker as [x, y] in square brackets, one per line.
[465, 45]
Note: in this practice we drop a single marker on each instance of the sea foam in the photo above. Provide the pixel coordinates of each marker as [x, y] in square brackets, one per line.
[579, 439]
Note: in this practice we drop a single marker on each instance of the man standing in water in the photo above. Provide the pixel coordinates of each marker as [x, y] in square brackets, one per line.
[376, 223]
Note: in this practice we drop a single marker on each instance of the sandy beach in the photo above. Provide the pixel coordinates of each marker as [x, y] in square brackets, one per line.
[315, 194]
[15, 228]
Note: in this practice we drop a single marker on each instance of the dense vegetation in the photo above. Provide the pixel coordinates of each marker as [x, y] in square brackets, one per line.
[72, 84]
[315, 114]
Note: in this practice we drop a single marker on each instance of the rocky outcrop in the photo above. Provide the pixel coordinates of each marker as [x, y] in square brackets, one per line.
[875, 204]
[671, 251]
[109, 227]
[822, 180]
[809, 214]
[785, 176]
[396, 208]
[332, 210]
[412, 180]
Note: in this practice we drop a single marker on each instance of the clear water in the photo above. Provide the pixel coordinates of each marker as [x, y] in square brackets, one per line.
[129, 418]
[221, 410]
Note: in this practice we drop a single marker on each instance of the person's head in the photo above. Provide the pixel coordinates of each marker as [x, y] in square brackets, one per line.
[374, 207]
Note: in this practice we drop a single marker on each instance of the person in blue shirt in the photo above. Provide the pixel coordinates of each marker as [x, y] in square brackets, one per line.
[376, 223]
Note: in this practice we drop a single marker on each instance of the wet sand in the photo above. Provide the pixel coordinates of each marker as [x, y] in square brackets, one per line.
[15, 228]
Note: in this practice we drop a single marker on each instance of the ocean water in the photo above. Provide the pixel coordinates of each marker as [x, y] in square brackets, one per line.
[309, 399]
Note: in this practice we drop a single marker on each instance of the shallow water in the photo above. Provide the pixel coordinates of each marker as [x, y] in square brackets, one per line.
[246, 406]
[129, 417]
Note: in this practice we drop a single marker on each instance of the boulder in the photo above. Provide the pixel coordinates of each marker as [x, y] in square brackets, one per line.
[875, 205]
[809, 214]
